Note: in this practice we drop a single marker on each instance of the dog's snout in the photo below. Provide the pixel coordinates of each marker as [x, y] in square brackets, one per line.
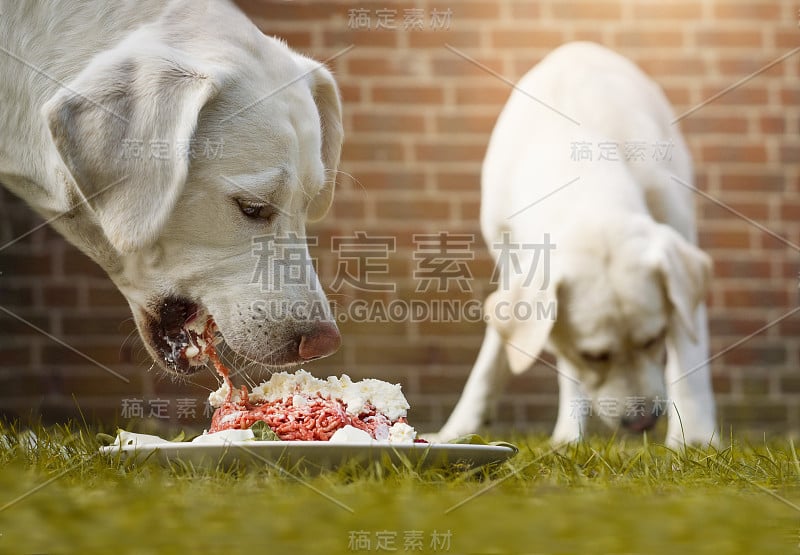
[320, 341]
[640, 423]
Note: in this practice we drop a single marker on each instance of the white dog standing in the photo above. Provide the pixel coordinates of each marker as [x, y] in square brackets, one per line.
[105, 111]
[584, 157]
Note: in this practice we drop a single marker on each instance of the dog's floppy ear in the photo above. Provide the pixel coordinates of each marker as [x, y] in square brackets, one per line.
[523, 314]
[329, 106]
[685, 271]
[122, 128]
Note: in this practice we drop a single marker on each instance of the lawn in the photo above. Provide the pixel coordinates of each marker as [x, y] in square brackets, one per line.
[604, 496]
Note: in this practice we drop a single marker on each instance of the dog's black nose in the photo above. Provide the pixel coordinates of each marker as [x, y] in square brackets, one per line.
[639, 423]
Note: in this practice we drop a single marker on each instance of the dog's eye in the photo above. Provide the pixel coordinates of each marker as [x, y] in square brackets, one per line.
[602, 357]
[255, 211]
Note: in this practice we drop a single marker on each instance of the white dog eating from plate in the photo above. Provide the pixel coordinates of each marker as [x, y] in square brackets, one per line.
[164, 139]
[587, 208]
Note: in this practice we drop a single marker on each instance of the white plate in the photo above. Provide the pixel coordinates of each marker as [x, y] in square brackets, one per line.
[311, 454]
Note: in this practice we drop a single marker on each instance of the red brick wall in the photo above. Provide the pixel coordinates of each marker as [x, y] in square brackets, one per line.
[418, 117]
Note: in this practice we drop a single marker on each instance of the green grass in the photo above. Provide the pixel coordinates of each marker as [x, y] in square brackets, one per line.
[605, 496]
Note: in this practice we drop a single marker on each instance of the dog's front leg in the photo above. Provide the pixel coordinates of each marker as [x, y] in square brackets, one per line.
[571, 420]
[691, 411]
[485, 383]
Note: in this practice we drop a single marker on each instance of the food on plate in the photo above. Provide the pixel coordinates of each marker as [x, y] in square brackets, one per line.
[298, 406]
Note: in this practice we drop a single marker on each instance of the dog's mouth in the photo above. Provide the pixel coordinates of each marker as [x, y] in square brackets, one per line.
[180, 333]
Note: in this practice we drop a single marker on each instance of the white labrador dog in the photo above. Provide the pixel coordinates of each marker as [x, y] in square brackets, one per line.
[173, 143]
[584, 158]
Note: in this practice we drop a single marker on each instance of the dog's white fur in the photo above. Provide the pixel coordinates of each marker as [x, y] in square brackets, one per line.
[625, 272]
[79, 79]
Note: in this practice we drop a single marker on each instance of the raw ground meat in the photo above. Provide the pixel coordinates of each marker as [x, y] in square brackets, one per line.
[315, 420]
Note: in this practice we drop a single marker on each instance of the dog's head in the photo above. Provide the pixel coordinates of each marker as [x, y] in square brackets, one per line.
[197, 168]
[621, 291]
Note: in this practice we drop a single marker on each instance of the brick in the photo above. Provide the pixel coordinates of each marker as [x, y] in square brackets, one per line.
[13, 387]
[540, 413]
[23, 264]
[743, 181]
[745, 412]
[740, 38]
[372, 180]
[789, 153]
[755, 357]
[421, 354]
[439, 152]
[418, 208]
[441, 384]
[748, 268]
[453, 65]
[747, 94]
[741, 67]
[352, 324]
[753, 385]
[77, 264]
[351, 94]
[14, 327]
[372, 66]
[458, 181]
[790, 383]
[758, 210]
[572, 10]
[743, 297]
[98, 325]
[786, 38]
[438, 39]
[484, 95]
[524, 9]
[772, 125]
[407, 94]
[727, 239]
[790, 210]
[650, 39]
[469, 10]
[373, 38]
[747, 11]
[10, 356]
[526, 38]
[60, 295]
[108, 355]
[660, 66]
[461, 124]
[677, 95]
[534, 381]
[701, 125]
[664, 10]
[106, 297]
[85, 384]
[721, 383]
[738, 153]
[388, 123]
[470, 209]
[777, 241]
[372, 151]
[348, 208]
[12, 296]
